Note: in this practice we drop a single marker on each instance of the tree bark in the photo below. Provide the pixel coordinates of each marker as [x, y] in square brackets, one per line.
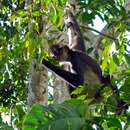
[38, 81]
[61, 92]
[38, 76]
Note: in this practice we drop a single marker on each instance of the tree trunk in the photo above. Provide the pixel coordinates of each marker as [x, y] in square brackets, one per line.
[38, 76]
[38, 81]
[61, 92]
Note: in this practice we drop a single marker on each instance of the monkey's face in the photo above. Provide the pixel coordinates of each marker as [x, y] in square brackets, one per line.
[60, 52]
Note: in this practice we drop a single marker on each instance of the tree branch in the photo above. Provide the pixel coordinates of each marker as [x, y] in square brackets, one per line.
[105, 35]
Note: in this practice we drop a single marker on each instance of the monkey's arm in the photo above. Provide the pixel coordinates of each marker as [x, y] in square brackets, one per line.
[73, 26]
[73, 79]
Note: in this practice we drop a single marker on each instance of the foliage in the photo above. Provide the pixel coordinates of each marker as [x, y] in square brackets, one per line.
[20, 38]
[104, 9]
[70, 115]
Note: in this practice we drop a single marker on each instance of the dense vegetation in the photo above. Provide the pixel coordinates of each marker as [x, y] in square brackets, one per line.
[20, 38]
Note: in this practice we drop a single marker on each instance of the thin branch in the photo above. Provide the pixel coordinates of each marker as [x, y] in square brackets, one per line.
[105, 35]
[102, 33]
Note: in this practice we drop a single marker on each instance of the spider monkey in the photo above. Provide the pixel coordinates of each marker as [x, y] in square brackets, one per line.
[78, 40]
[77, 44]
[84, 69]
[75, 38]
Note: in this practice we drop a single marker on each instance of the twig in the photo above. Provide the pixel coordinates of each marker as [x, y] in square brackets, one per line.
[105, 35]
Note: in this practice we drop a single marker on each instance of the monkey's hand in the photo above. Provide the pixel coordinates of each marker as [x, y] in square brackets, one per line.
[45, 62]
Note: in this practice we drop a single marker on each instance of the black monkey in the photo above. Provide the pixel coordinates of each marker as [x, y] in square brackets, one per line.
[84, 68]
[77, 42]
[75, 37]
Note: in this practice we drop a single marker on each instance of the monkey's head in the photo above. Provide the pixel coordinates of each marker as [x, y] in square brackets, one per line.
[60, 52]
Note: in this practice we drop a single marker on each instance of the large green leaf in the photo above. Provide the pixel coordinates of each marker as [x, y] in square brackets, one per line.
[106, 55]
[112, 66]
[70, 115]
[66, 116]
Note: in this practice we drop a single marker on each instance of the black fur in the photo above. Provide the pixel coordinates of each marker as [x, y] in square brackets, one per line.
[80, 63]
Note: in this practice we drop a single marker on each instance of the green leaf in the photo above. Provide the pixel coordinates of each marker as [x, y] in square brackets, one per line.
[22, 13]
[70, 114]
[106, 56]
[108, 122]
[87, 17]
[115, 59]
[59, 17]
[112, 66]
[127, 58]
[34, 118]
[53, 15]
[62, 2]
[46, 4]
[36, 13]
[78, 90]
[56, 16]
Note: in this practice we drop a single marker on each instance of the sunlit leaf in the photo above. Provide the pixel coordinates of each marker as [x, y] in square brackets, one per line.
[53, 15]
[46, 4]
[59, 17]
[22, 13]
[106, 56]
[112, 66]
[115, 59]
[36, 13]
[62, 2]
